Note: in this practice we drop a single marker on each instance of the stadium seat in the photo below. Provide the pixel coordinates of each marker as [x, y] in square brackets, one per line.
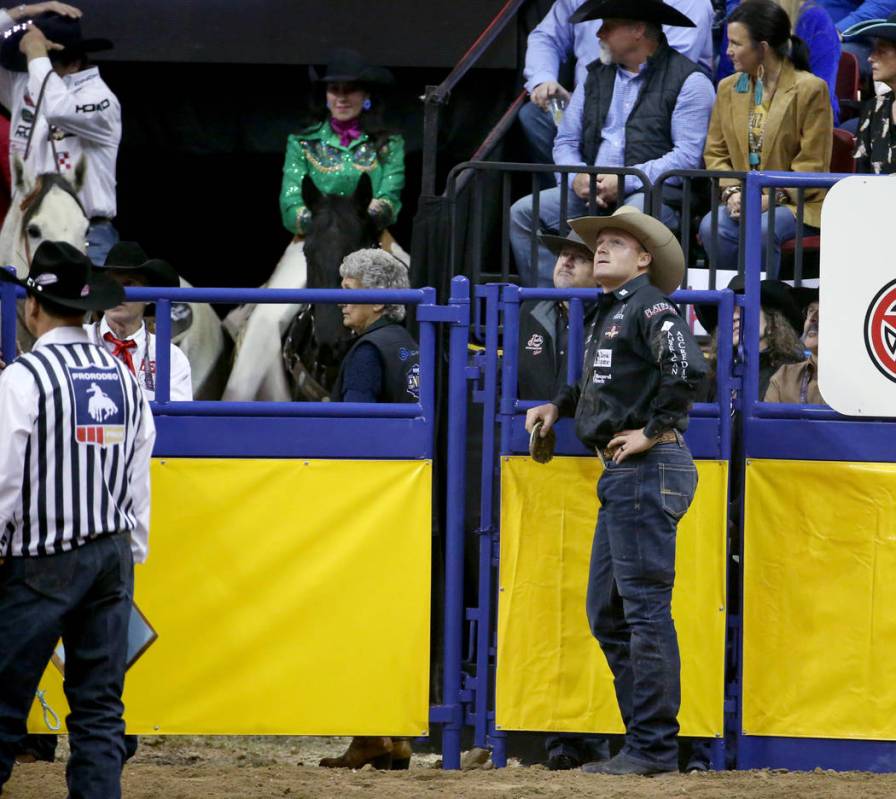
[847, 87]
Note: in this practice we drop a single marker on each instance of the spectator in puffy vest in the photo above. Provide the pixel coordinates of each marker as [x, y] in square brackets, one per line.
[642, 105]
[773, 114]
[383, 364]
[555, 41]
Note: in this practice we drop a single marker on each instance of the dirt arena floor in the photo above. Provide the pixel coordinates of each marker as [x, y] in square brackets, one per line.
[263, 768]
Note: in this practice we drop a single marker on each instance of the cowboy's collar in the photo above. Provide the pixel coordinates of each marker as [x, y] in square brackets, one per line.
[628, 289]
[652, 59]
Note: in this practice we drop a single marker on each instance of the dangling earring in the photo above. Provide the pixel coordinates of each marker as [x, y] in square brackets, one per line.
[367, 105]
[760, 89]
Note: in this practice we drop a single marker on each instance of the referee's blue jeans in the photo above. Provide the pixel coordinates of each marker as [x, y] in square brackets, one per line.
[83, 596]
[629, 600]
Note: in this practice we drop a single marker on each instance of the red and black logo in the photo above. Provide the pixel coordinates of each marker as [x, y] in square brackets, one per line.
[880, 331]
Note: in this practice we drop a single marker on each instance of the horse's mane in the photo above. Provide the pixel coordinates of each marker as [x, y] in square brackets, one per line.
[42, 186]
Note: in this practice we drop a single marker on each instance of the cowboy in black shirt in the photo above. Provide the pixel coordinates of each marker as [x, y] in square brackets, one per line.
[642, 369]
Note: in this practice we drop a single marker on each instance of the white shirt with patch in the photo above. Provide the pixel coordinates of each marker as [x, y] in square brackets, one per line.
[79, 115]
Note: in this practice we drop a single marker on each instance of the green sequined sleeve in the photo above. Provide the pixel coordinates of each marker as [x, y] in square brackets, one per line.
[295, 168]
[392, 180]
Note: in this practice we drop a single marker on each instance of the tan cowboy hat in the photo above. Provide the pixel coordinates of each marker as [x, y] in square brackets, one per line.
[667, 267]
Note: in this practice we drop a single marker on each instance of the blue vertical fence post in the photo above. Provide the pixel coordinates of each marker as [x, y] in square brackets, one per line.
[8, 312]
[454, 521]
[428, 361]
[511, 301]
[163, 351]
[575, 342]
[486, 528]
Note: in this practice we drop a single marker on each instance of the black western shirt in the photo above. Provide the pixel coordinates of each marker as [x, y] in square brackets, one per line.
[642, 368]
[543, 346]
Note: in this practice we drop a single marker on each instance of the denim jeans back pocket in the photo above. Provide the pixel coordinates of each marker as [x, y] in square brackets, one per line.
[51, 575]
[677, 487]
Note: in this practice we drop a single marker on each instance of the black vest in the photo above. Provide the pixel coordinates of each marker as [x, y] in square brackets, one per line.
[648, 130]
[400, 359]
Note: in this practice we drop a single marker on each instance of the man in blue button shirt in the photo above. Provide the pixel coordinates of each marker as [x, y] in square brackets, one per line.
[555, 40]
[847, 13]
[642, 105]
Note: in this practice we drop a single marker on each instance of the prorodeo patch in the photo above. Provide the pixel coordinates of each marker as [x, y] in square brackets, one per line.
[99, 404]
[880, 331]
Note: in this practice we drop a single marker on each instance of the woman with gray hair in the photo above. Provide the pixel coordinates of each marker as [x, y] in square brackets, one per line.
[383, 364]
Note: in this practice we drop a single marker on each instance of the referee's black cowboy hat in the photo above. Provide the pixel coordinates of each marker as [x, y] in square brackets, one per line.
[128, 256]
[774, 295]
[64, 276]
[58, 29]
[638, 10]
[348, 66]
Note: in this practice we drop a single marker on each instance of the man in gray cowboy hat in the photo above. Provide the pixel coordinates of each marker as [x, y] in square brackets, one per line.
[642, 105]
[62, 113]
[642, 370]
[77, 437]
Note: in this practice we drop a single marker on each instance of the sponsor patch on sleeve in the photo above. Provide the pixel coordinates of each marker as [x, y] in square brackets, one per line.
[657, 308]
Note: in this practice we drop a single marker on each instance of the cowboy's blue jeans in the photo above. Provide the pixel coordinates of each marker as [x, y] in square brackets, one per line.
[101, 237]
[629, 600]
[83, 596]
[729, 232]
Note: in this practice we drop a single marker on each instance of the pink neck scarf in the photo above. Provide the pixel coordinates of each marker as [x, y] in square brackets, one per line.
[348, 130]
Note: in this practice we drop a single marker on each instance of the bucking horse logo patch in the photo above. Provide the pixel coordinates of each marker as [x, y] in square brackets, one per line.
[99, 404]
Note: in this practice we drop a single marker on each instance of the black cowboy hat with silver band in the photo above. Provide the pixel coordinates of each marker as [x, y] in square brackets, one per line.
[62, 275]
[58, 29]
[872, 29]
[348, 66]
[774, 295]
[638, 10]
[128, 256]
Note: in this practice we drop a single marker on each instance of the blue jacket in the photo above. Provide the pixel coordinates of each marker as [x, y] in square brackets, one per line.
[846, 13]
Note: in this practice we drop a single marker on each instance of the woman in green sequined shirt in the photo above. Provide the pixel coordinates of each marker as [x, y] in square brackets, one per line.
[346, 140]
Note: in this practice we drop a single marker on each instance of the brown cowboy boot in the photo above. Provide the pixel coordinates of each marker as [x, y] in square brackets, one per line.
[362, 750]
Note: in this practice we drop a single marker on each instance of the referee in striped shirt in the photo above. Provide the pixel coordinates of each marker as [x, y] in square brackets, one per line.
[76, 437]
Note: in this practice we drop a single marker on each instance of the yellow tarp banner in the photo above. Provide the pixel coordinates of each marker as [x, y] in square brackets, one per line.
[819, 599]
[552, 675]
[289, 596]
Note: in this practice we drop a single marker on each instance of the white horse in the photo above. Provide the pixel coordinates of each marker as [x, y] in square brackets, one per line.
[47, 208]
[340, 225]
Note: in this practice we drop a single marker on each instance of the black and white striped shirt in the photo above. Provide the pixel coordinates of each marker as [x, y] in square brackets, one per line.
[77, 439]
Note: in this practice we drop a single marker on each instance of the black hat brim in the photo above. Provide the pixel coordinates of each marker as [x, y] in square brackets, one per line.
[104, 293]
[156, 272]
[872, 29]
[14, 60]
[370, 76]
[773, 294]
[644, 11]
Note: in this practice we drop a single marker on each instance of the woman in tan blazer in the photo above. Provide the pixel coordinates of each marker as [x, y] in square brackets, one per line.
[772, 114]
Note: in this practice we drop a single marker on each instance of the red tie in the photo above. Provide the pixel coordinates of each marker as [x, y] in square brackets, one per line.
[123, 350]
